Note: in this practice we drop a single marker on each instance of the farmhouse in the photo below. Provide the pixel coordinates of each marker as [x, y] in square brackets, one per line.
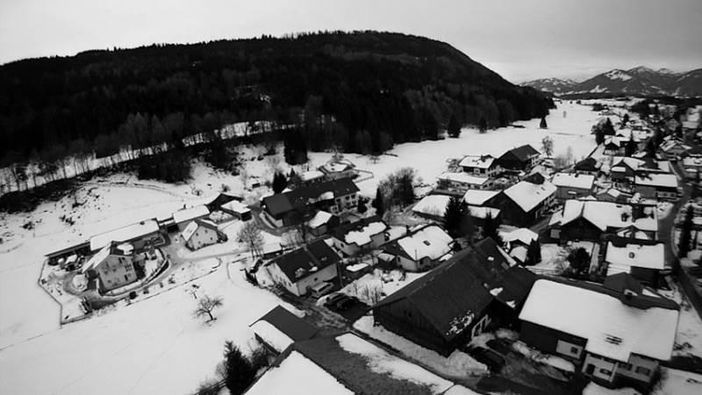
[644, 261]
[360, 237]
[618, 332]
[183, 217]
[480, 165]
[141, 235]
[113, 265]
[573, 185]
[421, 249]
[456, 301]
[304, 268]
[279, 328]
[293, 207]
[590, 219]
[201, 233]
[524, 203]
[519, 159]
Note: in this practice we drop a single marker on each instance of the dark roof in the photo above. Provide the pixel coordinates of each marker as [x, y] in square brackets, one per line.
[523, 153]
[293, 326]
[587, 164]
[300, 197]
[445, 296]
[220, 199]
[306, 260]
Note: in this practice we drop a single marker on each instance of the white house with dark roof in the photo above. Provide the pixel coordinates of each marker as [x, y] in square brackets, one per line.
[619, 333]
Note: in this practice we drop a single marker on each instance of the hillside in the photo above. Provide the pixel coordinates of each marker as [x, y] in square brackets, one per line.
[636, 81]
[361, 91]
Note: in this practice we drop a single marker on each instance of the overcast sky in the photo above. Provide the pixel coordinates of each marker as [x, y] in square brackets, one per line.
[520, 39]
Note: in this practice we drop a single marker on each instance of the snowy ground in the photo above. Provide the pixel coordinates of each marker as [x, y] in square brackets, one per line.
[380, 284]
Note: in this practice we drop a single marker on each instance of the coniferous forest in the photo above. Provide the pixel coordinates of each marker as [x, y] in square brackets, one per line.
[356, 92]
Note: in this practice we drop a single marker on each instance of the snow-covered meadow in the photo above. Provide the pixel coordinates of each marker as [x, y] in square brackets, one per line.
[155, 345]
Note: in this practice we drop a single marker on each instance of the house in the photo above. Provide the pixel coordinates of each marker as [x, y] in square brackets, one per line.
[432, 207]
[237, 209]
[624, 169]
[517, 242]
[643, 261]
[692, 165]
[183, 217]
[215, 202]
[691, 118]
[200, 233]
[322, 223]
[421, 249]
[588, 165]
[113, 265]
[664, 185]
[455, 302]
[618, 333]
[461, 182]
[304, 268]
[279, 329]
[526, 202]
[480, 165]
[613, 195]
[674, 148]
[141, 235]
[614, 145]
[294, 207]
[573, 185]
[590, 219]
[360, 237]
[519, 159]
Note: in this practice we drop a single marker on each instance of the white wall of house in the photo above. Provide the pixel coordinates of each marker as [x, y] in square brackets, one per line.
[116, 271]
[569, 349]
[353, 249]
[202, 237]
[639, 368]
[603, 369]
[280, 278]
[314, 278]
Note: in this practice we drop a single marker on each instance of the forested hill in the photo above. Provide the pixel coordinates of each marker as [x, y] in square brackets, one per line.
[361, 92]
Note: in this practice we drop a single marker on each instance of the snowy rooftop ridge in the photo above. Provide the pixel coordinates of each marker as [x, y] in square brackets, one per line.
[528, 195]
[606, 215]
[598, 317]
[126, 233]
[432, 205]
[188, 214]
[574, 180]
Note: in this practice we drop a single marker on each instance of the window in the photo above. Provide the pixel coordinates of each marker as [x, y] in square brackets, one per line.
[642, 370]
[574, 350]
[605, 372]
[625, 366]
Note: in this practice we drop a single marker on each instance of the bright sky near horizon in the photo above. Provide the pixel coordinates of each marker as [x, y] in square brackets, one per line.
[521, 40]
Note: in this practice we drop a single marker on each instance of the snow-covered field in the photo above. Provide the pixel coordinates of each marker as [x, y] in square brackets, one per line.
[155, 346]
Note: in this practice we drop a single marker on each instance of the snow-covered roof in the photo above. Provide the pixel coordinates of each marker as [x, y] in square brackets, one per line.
[272, 335]
[658, 180]
[476, 197]
[126, 233]
[606, 215]
[432, 205]
[430, 241]
[96, 259]
[574, 180]
[319, 219]
[188, 214]
[363, 236]
[519, 253]
[524, 235]
[189, 230]
[527, 195]
[298, 373]
[236, 206]
[479, 161]
[612, 328]
[645, 256]
[311, 175]
[462, 177]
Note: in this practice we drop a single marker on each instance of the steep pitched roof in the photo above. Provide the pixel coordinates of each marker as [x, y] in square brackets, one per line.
[288, 323]
[522, 153]
[300, 197]
[306, 260]
[527, 195]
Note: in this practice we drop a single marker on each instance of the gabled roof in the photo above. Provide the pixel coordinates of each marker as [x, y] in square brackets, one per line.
[126, 233]
[612, 328]
[522, 153]
[476, 197]
[524, 235]
[429, 241]
[306, 260]
[463, 177]
[189, 230]
[434, 205]
[574, 180]
[607, 215]
[587, 164]
[624, 257]
[527, 195]
[479, 161]
[319, 219]
[189, 214]
[282, 321]
[658, 180]
[300, 197]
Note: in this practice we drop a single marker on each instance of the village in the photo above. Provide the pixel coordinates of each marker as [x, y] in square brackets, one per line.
[515, 269]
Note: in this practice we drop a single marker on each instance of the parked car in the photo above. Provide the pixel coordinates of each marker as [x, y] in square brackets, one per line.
[321, 289]
[333, 299]
[490, 358]
[341, 302]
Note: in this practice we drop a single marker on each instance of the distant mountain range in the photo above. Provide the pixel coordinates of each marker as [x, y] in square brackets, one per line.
[637, 81]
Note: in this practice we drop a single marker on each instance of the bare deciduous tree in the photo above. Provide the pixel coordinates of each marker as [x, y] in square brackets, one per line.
[250, 234]
[206, 305]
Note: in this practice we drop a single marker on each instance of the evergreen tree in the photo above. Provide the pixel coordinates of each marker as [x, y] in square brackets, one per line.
[686, 234]
[379, 203]
[625, 120]
[533, 253]
[455, 217]
[490, 229]
[608, 128]
[279, 182]
[482, 125]
[543, 124]
[454, 128]
[239, 371]
[579, 261]
[630, 148]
